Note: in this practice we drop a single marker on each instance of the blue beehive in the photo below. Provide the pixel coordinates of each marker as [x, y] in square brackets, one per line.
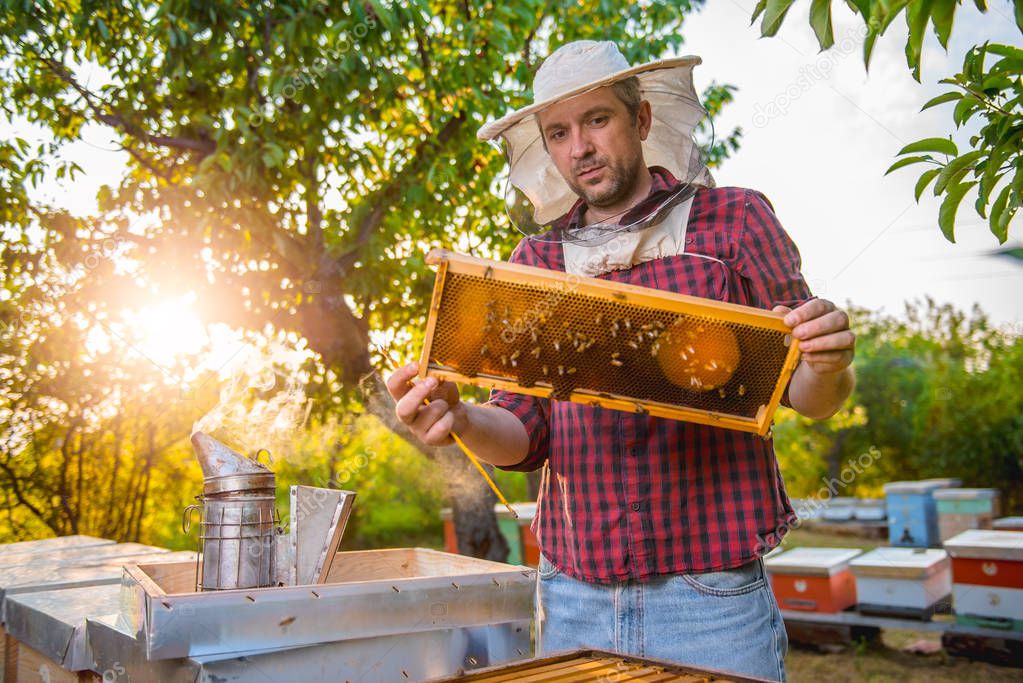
[912, 513]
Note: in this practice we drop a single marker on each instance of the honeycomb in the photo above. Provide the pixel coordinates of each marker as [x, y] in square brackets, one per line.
[548, 334]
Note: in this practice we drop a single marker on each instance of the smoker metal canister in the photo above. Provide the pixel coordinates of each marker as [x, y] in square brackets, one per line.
[238, 520]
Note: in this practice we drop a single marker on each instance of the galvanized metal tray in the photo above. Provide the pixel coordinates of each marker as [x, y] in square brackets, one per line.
[401, 657]
[40, 576]
[22, 550]
[53, 622]
[368, 594]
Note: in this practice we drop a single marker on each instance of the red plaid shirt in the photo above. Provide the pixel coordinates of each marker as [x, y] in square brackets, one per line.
[628, 496]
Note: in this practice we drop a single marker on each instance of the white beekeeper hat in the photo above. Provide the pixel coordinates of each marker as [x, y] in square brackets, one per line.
[585, 65]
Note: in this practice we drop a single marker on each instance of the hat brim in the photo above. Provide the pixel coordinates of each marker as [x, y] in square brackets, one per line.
[494, 129]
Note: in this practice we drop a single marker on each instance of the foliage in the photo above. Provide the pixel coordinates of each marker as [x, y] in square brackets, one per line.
[936, 396]
[994, 163]
[95, 437]
[990, 95]
[288, 163]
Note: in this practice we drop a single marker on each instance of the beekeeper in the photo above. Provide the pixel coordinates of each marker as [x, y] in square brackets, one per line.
[651, 529]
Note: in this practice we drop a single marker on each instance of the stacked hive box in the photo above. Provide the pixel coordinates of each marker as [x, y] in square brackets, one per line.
[813, 579]
[987, 576]
[912, 514]
[909, 582]
[960, 510]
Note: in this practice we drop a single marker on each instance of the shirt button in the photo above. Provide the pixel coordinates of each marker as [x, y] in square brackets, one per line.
[636, 507]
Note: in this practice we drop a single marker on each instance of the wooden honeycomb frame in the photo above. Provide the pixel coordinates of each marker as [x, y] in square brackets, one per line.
[451, 263]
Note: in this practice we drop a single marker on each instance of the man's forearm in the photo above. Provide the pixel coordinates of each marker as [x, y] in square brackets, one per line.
[494, 434]
[819, 396]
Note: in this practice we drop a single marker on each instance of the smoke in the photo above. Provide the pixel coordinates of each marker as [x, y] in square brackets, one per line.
[262, 402]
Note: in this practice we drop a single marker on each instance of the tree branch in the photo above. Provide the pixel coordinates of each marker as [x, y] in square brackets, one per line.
[117, 120]
[386, 195]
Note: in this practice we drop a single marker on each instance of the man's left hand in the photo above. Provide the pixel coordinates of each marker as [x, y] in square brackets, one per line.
[825, 340]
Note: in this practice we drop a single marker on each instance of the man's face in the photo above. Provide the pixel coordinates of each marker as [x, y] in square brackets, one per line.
[596, 145]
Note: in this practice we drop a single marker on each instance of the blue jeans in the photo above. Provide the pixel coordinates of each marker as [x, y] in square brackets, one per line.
[725, 620]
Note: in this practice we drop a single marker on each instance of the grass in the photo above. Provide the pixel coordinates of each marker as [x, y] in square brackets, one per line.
[886, 661]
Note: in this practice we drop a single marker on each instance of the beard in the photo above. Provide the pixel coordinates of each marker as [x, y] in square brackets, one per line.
[621, 178]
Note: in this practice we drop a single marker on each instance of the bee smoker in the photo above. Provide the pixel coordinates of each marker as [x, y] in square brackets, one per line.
[238, 519]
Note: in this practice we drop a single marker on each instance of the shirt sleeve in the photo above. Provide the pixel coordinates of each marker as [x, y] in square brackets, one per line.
[770, 262]
[532, 411]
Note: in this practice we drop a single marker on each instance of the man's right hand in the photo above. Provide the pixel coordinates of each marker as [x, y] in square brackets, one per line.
[432, 424]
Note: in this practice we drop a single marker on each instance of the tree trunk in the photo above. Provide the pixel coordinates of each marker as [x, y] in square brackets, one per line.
[472, 501]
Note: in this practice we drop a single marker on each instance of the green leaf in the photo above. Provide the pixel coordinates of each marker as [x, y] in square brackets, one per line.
[954, 169]
[1005, 50]
[964, 110]
[996, 157]
[981, 5]
[1018, 7]
[102, 26]
[925, 179]
[947, 211]
[820, 20]
[868, 46]
[774, 14]
[941, 99]
[758, 10]
[942, 16]
[999, 221]
[939, 145]
[862, 7]
[906, 162]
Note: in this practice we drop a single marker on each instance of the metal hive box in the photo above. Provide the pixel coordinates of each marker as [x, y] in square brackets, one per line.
[553, 334]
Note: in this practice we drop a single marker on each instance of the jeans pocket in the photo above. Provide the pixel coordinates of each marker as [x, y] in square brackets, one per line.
[545, 569]
[739, 581]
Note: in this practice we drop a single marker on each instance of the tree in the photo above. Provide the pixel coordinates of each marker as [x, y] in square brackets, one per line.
[935, 397]
[290, 162]
[94, 441]
[990, 93]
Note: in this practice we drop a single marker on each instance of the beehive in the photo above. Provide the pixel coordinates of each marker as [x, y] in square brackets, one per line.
[987, 578]
[592, 666]
[552, 334]
[902, 581]
[813, 579]
[960, 510]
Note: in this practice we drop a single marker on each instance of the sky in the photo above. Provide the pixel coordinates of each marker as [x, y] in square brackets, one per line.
[819, 154]
[819, 132]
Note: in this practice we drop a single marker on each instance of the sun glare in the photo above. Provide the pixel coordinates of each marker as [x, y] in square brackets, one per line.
[166, 331]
